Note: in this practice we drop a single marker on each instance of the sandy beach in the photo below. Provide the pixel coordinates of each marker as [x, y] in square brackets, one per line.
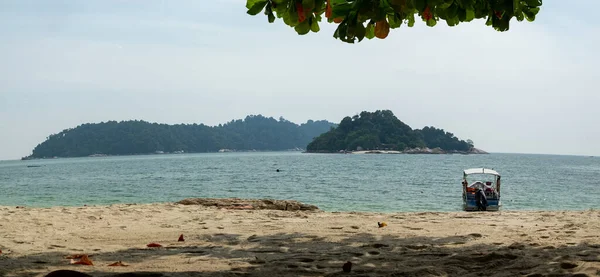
[222, 241]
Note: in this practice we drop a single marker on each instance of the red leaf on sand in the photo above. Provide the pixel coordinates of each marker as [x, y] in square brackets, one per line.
[180, 238]
[119, 263]
[0, 251]
[84, 261]
[154, 245]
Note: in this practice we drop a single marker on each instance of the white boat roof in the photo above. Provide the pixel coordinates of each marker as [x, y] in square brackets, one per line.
[480, 171]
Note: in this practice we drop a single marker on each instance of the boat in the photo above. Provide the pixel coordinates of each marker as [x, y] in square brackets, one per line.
[481, 178]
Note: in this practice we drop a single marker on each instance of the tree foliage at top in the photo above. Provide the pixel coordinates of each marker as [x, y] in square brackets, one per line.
[140, 137]
[382, 130]
[358, 19]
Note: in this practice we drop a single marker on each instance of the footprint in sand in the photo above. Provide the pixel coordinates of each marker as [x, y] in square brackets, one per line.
[568, 265]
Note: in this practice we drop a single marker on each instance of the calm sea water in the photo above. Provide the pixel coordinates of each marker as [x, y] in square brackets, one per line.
[381, 183]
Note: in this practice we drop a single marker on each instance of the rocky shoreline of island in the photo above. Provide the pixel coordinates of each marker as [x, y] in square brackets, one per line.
[418, 150]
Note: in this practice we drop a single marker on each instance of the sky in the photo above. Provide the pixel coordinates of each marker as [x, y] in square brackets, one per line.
[533, 89]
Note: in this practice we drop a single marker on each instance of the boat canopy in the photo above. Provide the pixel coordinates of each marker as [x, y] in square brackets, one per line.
[480, 171]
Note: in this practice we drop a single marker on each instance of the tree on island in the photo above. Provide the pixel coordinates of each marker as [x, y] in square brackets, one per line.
[358, 19]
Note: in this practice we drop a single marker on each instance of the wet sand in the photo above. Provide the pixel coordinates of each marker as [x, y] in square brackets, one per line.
[238, 242]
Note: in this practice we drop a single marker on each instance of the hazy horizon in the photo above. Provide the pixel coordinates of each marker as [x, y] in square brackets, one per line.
[65, 63]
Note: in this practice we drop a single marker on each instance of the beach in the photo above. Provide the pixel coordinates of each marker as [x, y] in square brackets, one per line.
[240, 241]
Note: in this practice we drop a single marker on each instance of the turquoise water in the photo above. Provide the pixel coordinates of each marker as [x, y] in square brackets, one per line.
[382, 183]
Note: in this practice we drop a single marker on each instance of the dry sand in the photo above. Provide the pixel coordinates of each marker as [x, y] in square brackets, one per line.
[227, 242]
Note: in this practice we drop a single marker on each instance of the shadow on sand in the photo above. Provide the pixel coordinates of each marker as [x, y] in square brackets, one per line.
[298, 254]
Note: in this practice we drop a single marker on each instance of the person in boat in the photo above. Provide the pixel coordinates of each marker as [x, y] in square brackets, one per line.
[488, 186]
[481, 200]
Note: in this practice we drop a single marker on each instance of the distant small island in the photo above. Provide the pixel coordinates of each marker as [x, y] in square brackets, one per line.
[381, 132]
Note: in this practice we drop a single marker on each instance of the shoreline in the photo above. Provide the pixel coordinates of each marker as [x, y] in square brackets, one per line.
[236, 203]
[342, 211]
[224, 241]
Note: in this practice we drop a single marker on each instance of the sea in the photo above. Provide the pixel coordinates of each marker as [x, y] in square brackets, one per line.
[333, 182]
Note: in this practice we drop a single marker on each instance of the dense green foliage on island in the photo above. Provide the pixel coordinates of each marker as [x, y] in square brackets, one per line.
[139, 137]
[382, 130]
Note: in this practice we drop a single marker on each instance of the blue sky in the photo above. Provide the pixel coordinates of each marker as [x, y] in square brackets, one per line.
[533, 89]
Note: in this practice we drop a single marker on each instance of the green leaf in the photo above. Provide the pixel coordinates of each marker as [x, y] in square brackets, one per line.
[251, 3]
[320, 6]
[314, 25]
[516, 6]
[501, 24]
[447, 3]
[370, 31]
[470, 15]
[519, 15]
[431, 22]
[452, 21]
[385, 4]
[292, 16]
[420, 5]
[394, 21]
[462, 15]
[341, 10]
[452, 11]
[434, 3]
[397, 5]
[308, 4]
[490, 19]
[257, 7]
[533, 3]
[281, 10]
[411, 20]
[303, 28]
[530, 14]
[271, 17]
[360, 31]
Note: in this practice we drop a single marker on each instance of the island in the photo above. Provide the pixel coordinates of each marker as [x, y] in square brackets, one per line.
[381, 132]
[135, 137]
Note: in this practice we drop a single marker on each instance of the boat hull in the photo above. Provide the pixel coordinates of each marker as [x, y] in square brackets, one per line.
[471, 205]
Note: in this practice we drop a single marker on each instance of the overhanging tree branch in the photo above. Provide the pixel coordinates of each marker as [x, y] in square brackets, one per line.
[358, 19]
